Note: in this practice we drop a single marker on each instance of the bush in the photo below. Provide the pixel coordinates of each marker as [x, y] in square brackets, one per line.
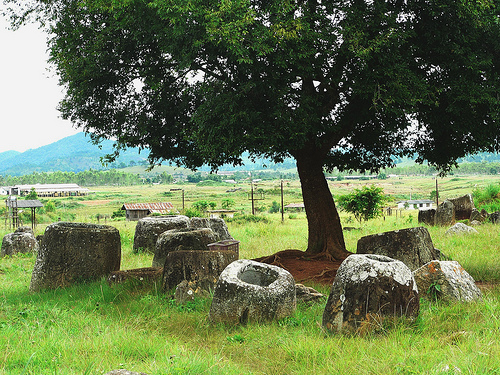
[275, 208]
[243, 219]
[227, 203]
[487, 198]
[365, 203]
[203, 205]
[118, 213]
[49, 206]
[192, 212]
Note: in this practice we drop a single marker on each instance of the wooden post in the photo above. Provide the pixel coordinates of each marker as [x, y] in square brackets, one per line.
[253, 206]
[437, 194]
[182, 199]
[282, 207]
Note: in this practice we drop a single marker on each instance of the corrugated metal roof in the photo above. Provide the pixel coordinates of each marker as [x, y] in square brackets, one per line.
[27, 203]
[153, 207]
[51, 187]
[295, 205]
[417, 201]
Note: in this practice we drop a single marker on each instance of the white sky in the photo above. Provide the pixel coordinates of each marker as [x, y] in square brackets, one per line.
[29, 93]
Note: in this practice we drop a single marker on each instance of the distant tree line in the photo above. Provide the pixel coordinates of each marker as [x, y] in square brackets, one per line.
[86, 178]
[468, 168]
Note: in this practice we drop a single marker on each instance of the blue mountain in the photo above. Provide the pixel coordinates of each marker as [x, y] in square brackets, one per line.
[71, 154]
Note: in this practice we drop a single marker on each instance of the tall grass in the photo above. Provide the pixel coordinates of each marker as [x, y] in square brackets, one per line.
[92, 328]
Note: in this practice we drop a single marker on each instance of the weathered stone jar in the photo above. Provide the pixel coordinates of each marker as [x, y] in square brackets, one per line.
[148, 229]
[72, 252]
[181, 239]
[412, 246]
[21, 241]
[367, 289]
[252, 291]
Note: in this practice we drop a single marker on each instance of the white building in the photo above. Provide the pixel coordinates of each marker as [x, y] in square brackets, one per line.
[50, 190]
[416, 204]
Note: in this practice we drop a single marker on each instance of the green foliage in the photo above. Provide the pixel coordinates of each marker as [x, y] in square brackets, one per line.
[199, 177]
[84, 178]
[275, 208]
[434, 290]
[203, 205]
[433, 195]
[32, 195]
[118, 213]
[487, 198]
[207, 183]
[242, 219]
[280, 79]
[227, 203]
[49, 206]
[192, 212]
[365, 203]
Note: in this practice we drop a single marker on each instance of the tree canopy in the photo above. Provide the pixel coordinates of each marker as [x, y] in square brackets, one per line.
[345, 84]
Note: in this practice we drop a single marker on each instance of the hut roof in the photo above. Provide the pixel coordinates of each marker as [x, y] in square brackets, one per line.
[28, 203]
[295, 205]
[160, 207]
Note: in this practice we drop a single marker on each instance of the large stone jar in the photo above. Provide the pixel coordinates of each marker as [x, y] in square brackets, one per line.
[252, 291]
[73, 252]
[367, 289]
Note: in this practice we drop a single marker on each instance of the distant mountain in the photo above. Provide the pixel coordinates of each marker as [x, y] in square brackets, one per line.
[71, 154]
[7, 155]
[76, 153]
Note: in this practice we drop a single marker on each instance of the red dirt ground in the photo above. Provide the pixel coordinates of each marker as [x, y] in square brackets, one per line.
[320, 270]
[303, 268]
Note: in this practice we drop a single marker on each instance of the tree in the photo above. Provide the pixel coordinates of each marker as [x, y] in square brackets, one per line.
[202, 205]
[365, 203]
[334, 84]
[32, 195]
[227, 203]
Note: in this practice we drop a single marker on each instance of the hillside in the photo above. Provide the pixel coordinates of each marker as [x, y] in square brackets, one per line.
[76, 153]
[71, 154]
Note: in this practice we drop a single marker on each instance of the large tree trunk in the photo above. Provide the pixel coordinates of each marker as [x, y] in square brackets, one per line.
[325, 229]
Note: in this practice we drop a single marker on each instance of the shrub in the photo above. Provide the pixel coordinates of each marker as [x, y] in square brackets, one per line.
[118, 213]
[227, 203]
[487, 198]
[242, 219]
[203, 205]
[275, 208]
[365, 203]
[192, 212]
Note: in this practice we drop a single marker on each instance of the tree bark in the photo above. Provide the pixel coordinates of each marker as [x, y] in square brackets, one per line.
[325, 234]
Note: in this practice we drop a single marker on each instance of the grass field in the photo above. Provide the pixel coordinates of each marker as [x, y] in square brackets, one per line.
[93, 328]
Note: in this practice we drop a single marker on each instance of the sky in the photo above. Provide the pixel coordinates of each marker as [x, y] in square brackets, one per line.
[29, 93]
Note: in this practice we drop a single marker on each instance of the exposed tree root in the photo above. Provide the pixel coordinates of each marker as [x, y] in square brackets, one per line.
[319, 268]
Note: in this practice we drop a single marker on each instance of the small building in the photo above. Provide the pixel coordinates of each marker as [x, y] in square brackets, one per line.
[136, 211]
[416, 204]
[16, 206]
[4, 190]
[221, 213]
[50, 190]
[295, 207]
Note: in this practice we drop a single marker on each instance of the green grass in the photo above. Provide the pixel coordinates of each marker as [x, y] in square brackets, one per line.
[93, 328]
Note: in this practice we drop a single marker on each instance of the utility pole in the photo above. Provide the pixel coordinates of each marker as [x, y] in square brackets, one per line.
[253, 205]
[282, 207]
[437, 193]
[177, 189]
